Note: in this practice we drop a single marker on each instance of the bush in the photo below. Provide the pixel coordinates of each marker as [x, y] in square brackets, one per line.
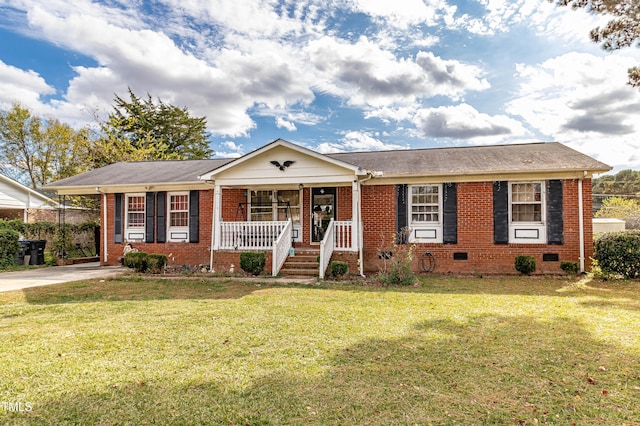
[399, 271]
[252, 262]
[137, 260]
[570, 268]
[156, 263]
[525, 264]
[339, 268]
[618, 253]
[9, 246]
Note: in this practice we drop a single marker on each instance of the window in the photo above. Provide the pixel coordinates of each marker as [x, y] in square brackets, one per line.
[426, 212]
[527, 213]
[289, 205]
[425, 203]
[526, 202]
[178, 203]
[261, 206]
[277, 205]
[135, 211]
[134, 217]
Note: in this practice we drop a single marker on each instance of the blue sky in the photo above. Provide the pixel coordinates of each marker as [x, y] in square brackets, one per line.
[335, 75]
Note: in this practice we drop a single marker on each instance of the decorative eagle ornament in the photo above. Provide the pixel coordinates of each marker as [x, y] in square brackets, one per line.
[283, 165]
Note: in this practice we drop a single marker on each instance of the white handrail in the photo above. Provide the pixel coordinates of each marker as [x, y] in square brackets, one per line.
[327, 246]
[281, 248]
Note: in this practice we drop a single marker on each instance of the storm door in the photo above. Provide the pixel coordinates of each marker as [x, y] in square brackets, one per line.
[323, 209]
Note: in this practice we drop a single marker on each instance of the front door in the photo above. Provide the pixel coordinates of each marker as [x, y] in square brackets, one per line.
[323, 209]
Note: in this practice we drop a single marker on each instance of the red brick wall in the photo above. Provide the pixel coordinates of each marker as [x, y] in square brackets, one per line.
[181, 253]
[475, 232]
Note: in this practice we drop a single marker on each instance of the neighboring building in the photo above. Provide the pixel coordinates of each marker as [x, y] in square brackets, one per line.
[474, 208]
[605, 224]
[20, 202]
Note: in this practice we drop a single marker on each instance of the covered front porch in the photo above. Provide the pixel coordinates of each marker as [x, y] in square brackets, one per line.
[283, 199]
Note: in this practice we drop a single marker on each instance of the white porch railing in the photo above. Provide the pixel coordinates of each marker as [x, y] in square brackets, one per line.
[281, 248]
[327, 246]
[250, 235]
[343, 235]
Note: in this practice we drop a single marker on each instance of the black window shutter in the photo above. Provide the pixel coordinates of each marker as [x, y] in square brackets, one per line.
[194, 216]
[117, 221]
[555, 219]
[402, 220]
[450, 213]
[149, 213]
[161, 213]
[501, 212]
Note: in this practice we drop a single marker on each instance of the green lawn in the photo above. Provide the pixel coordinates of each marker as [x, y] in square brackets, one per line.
[513, 351]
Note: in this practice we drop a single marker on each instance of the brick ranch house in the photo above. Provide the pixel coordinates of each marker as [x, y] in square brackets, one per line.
[474, 208]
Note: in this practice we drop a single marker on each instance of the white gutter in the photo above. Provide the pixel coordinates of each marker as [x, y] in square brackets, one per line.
[581, 220]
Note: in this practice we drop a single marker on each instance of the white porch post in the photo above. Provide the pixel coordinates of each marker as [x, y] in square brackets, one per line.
[355, 219]
[217, 216]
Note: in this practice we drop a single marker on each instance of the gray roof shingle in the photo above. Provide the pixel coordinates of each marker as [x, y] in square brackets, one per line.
[471, 160]
[144, 172]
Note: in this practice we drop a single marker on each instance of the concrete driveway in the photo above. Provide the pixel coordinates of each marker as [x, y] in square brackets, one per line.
[56, 274]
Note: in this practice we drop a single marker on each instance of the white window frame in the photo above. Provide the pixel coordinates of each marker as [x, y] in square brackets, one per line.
[177, 233]
[275, 209]
[534, 232]
[425, 231]
[135, 233]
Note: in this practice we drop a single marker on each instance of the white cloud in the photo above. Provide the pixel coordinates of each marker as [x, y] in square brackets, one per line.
[229, 149]
[465, 122]
[281, 123]
[368, 75]
[358, 141]
[25, 87]
[582, 100]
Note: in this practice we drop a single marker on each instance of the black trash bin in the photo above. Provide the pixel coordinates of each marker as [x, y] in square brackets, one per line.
[36, 250]
[22, 251]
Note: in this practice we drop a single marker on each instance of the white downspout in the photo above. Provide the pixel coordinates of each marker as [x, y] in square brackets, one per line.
[217, 214]
[581, 219]
[104, 240]
[360, 225]
[213, 230]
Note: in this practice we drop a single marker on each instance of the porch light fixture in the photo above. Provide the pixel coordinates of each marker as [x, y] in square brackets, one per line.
[300, 187]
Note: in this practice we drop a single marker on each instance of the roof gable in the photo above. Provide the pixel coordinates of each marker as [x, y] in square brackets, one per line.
[269, 161]
[15, 195]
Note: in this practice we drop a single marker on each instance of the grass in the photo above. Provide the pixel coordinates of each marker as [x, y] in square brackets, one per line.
[452, 351]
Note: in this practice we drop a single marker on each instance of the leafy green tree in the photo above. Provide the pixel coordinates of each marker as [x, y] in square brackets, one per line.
[38, 151]
[625, 182]
[626, 209]
[146, 130]
[623, 30]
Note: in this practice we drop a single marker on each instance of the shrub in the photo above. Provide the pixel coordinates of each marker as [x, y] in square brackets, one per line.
[525, 264]
[570, 268]
[9, 246]
[339, 268]
[618, 253]
[156, 263]
[399, 271]
[252, 262]
[137, 260]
